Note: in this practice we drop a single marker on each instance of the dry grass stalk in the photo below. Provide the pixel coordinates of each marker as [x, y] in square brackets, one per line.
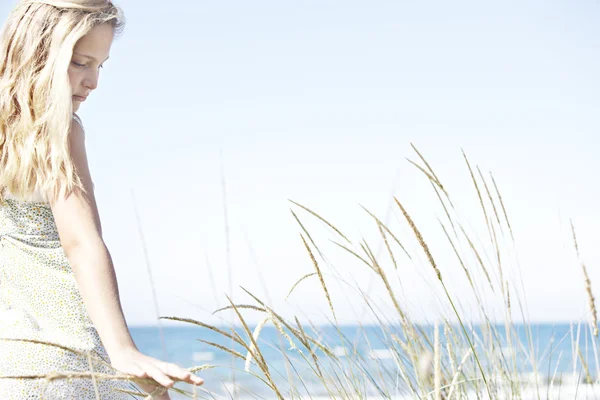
[221, 347]
[591, 300]
[408, 347]
[457, 373]
[439, 275]
[245, 306]
[253, 344]
[575, 239]
[322, 219]
[487, 190]
[439, 183]
[389, 232]
[237, 335]
[588, 286]
[199, 368]
[499, 259]
[437, 193]
[306, 343]
[479, 260]
[322, 280]
[403, 373]
[449, 349]
[369, 254]
[437, 363]
[509, 336]
[312, 257]
[430, 176]
[420, 239]
[91, 354]
[400, 342]
[207, 326]
[255, 334]
[280, 329]
[588, 376]
[294, 331]
[487, 222]
[502, 205]
[298, 282]
[406, 325]
[387, 246]
[436, 183]
[308, 235]
[424, 370]
[388, 287]
[98, 376]
[130, 392]
[142, 394]
[354, 254]
[94, 383]
[260, 359]
[460, 260]
[367, 249]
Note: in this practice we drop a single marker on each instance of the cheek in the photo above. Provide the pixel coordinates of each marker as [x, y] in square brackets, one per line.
[74, 78]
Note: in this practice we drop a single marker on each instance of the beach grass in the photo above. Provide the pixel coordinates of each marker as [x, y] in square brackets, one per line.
[451, 357]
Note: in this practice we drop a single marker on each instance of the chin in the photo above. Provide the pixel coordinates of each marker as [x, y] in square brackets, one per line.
[76, 105]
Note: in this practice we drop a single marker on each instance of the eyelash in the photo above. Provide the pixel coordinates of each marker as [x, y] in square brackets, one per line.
[83, 65]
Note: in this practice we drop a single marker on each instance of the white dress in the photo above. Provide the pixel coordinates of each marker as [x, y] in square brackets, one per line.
[40, 300]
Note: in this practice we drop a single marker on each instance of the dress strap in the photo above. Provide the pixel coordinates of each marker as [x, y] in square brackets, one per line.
[76, 118]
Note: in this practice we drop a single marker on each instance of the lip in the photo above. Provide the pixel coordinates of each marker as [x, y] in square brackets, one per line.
[79, 98]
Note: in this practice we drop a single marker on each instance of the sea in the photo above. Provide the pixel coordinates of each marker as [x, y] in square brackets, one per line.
[554, 350]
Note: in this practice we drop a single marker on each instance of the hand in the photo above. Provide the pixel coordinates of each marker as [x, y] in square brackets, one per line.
[133, 362]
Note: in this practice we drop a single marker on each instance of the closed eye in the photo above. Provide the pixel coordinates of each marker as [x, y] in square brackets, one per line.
[78, 65]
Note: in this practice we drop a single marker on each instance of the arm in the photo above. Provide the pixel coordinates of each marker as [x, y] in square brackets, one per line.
[78, 225]
[80, 233]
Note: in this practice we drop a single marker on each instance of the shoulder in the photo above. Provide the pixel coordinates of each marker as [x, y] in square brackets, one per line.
[77, 148]
[76, 143]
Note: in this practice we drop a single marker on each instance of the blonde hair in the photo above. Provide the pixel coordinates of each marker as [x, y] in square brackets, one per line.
[36, 109]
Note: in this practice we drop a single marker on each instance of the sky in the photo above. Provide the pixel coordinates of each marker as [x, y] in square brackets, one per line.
[210, 116]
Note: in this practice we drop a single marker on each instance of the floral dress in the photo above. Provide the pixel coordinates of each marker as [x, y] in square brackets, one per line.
[40, 301]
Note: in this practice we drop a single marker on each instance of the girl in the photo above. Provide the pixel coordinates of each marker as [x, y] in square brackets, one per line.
[57, 282]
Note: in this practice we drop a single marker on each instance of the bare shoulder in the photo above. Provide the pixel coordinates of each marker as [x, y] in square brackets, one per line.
[76, 216]
[77, 147]
[78, 153]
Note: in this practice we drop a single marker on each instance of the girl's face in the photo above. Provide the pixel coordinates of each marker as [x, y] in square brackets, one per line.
[90, 52]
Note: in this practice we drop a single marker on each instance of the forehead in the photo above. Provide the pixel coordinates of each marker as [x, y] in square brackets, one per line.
[97, 42]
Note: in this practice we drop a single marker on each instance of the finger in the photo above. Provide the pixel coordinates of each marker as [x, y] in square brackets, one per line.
[140, 373]
[158, 375]
[196, 380]
[181, 374]
[136, 371]
[176, 371]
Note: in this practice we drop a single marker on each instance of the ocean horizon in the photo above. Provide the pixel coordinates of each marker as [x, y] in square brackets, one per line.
[552, 345]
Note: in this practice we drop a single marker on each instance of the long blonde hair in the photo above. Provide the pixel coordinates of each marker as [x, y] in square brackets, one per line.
[36, 109]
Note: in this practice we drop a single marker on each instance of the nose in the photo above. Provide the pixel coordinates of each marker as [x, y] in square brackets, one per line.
[91, 80]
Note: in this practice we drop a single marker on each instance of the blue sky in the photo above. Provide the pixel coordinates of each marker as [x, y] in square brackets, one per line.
[318, 102]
